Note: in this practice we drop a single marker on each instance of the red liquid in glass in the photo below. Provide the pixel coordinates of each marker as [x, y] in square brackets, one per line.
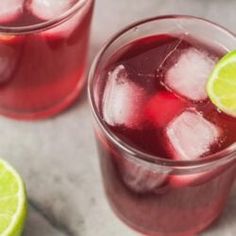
[150, 201]
[43, 71]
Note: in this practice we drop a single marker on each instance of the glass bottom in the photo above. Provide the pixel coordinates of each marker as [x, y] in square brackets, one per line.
[54, 110]
[143, 232]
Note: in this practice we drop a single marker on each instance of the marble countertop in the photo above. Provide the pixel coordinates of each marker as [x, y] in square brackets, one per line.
[57, 157]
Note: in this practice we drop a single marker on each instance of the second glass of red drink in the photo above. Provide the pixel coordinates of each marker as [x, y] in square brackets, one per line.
[167, 154]
[43, 52]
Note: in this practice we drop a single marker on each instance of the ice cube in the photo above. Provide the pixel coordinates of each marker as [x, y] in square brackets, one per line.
[141, 176]
[49, 9]
[190, 135]
[189, 74]
[66, 28]
[162, 107]
[10, 9]
[122, 100]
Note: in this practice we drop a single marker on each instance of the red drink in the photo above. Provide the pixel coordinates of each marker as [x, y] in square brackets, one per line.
[144, 69]
[43, 49]
[162, 139]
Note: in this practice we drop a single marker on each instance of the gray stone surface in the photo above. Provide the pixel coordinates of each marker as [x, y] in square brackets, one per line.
[37, 225]
[57, 157]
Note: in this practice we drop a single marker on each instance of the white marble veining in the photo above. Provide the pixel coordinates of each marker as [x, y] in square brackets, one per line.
[57, 157]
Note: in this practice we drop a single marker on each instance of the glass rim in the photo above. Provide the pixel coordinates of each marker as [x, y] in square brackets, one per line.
[27, 29]
[222, 156]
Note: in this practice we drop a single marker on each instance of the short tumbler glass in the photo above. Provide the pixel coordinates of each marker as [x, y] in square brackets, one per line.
[43, 63]
[170, 211]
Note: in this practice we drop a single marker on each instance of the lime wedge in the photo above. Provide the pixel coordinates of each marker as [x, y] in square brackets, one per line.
[13, 206]
[221, 86]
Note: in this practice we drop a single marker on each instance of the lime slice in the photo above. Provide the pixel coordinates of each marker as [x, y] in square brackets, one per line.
[221, 86]
[13, 205]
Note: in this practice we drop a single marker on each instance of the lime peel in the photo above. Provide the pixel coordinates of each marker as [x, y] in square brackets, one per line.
[221, 86]
[13, 222]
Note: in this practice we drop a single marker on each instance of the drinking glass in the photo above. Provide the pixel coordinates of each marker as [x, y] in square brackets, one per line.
[43, 63]
[170, 210]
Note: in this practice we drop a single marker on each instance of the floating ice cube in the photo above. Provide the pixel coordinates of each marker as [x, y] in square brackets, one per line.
[190, 135]
[141, 176]
[122, 100]
[189, 75]
[10, 9]
[49, 9]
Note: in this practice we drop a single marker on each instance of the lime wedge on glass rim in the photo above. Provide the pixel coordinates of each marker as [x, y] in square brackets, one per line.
[13, 204]
[221, 86]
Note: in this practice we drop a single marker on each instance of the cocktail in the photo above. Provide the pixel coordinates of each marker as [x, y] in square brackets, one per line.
[167, 153]
[43, 51]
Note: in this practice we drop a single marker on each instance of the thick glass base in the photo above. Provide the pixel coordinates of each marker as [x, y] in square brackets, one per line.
[144, 232]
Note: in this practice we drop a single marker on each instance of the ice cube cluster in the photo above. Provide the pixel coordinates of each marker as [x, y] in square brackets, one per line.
[174, 111]
[189, 135]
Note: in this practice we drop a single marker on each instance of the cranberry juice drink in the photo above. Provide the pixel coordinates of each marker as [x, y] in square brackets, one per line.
[167, 154]
[43, 51]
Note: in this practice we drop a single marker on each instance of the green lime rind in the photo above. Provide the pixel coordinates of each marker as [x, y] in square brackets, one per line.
[13, 201]
[221, 86]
